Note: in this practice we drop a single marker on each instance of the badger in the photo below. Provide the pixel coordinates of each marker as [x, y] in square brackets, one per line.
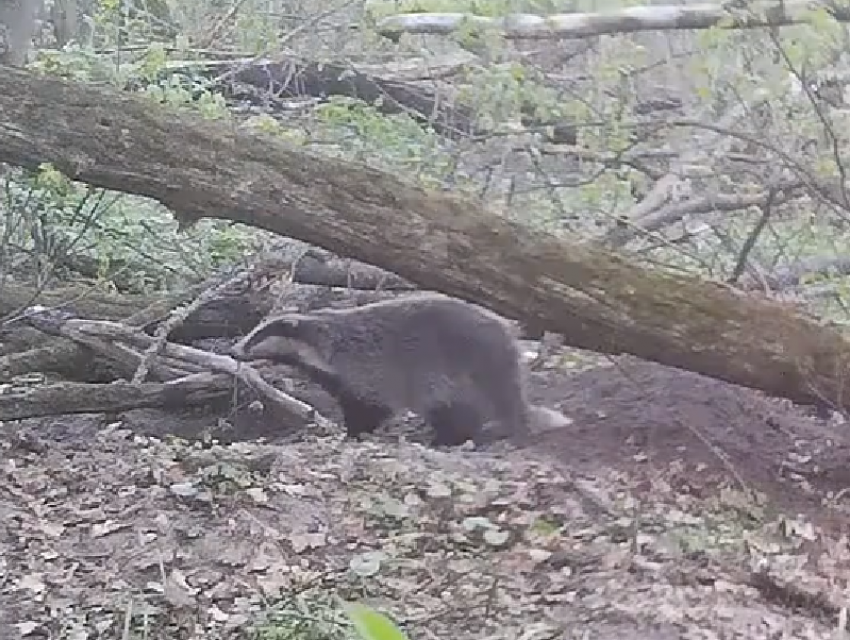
[453, 363]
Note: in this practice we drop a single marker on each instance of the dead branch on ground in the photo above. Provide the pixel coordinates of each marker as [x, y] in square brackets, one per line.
[184, 370]
[105, 336]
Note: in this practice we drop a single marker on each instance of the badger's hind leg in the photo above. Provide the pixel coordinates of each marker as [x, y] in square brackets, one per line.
[506, 392]
[360, 416]
[454, 423]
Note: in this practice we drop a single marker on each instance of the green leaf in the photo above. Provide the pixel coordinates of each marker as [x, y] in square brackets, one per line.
[370, 624]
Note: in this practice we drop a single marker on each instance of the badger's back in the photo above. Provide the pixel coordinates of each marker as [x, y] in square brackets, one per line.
[421, 350]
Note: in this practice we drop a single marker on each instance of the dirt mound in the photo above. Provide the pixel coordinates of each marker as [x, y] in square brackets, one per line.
[642, 416]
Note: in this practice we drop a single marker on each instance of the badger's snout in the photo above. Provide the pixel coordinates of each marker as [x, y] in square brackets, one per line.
[237, 351]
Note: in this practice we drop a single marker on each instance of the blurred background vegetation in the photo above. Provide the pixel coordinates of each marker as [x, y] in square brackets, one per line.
[570, 134]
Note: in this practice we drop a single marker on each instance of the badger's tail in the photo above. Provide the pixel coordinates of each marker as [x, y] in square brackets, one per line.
[543, 418]
[535, 419]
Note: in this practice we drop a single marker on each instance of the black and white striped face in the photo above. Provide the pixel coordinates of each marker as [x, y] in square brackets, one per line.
[265, 341]
[284, 340]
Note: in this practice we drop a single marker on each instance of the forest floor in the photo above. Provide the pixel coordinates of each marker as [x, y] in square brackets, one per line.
[674, 506]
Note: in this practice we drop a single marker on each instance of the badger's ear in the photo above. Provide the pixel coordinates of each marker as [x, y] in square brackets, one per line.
[264, 336]
[280, 323]
[287, 326]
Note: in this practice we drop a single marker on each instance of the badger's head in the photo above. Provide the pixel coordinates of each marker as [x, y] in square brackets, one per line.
[294, 339]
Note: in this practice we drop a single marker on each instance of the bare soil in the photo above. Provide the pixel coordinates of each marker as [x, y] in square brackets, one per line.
[674, 506]
[645, 418]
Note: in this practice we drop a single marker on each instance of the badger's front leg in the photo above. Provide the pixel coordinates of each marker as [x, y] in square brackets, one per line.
[454, 423]
[361, 417]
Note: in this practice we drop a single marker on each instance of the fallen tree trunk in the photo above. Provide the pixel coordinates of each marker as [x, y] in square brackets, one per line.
[76, 397]
[597, 299]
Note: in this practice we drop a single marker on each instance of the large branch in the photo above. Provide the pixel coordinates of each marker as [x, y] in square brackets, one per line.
[597, 299]
[295, 77]
[628, 20]
[70, 397]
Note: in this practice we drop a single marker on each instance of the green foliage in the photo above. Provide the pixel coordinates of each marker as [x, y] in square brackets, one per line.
[311, 615]
[151, 66]
[499, 92]
[323, 616]
[53, 182]
[129, 241]
[508, 92]
[254, 31]
[396, 142]
[179, 89]
[372, 625]
[120, 23]
[356, 131]
[77, 63]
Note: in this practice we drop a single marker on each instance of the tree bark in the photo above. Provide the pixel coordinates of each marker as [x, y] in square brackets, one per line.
[597, 299]
[666, 17]
[70, 397]
[298, 78]
[17, 27]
